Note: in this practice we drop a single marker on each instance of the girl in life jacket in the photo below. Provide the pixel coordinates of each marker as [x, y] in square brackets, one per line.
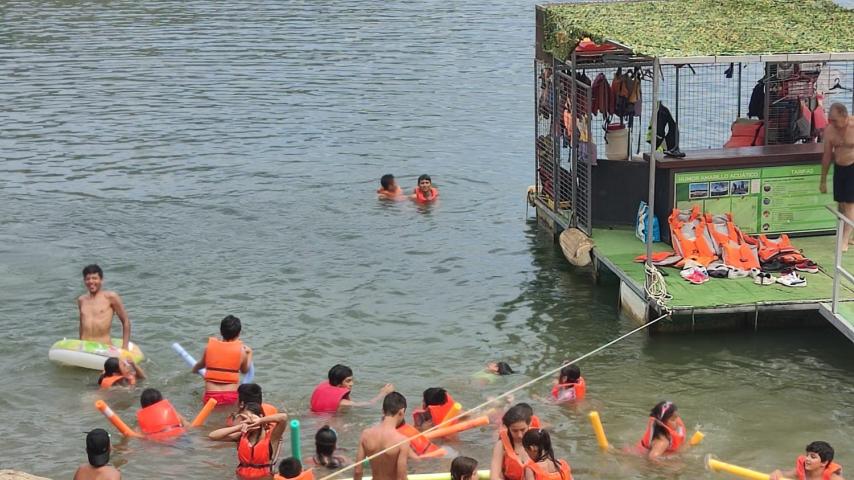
[325, 442]
[464, 468]
[425, 192]
[120, 373]
[816, 464]
[291, 468]
[157, 418]
[665, 432]
[570, 385]
[437, 403]
[508, 455]
[257, 444]
[542, 464]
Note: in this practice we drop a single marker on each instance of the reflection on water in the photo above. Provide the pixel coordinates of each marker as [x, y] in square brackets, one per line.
[222, 159]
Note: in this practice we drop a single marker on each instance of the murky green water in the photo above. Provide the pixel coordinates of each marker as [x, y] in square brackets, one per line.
[221, 159]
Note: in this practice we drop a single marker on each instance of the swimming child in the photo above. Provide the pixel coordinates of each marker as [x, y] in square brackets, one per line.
[389, 189]
[570, 385]
[817, 464]
[98, 452]
[392, 464]
[499, 368]
[325, 442]
[120, 373]
[509, 456]
[292, 468]
[464, 468]
[224, 360]
[257, 441]
[437, 403]
[246, 393]
[542, 464]
[665, 432]
[425, 191]
[335, 392]
[157, 418]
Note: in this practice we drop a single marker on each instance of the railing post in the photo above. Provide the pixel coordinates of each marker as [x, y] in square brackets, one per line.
[840, 226]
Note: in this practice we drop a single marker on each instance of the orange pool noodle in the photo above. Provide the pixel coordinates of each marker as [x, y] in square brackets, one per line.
[203, 413]
[115, 420]
[458, 427]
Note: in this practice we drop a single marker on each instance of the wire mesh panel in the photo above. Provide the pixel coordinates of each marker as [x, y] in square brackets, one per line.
[544, 141]
[583, 153]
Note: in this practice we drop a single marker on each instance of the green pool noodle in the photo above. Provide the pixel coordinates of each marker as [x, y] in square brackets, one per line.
[295, 446]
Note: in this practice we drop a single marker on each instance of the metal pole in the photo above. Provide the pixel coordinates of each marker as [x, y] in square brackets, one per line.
[554, 134]
[573, 143]
[678, 69]
[537, 127]
[837, 263]
[653, 124]
[739, 92]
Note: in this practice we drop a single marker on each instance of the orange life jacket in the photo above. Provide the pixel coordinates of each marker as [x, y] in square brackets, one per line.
[326, 397]
[255, 460]
[769, 249]
[159, 420]
[439, 412]
[565, 392]
[422, 446]
[690, 237]
[511, 466]
[565, 473]
[676, 435]
[107, 382]
[535, 421]
[223, 361]
[305, 475]
[741, 256]
[419, 195]
[828, 472]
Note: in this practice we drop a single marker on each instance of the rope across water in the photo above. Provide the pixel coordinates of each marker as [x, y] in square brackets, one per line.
[502, 396]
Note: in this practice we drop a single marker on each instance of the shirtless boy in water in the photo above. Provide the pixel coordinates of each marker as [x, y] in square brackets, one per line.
[97, 308]
[839, 147]
[392, 464]
[389, 189]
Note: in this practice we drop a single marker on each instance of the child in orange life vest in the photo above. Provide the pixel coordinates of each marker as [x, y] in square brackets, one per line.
[325, 442]
[542, 464]
[257, 444]
[817, 464]
[335, 392]
[389, 189]
[292, 468]
[665, 432]
[120, 373]
[464, 468]
[508, 455]
[224, 361]
[250, 393]
[435, 407]
[158, 419]
[570, 385]
[425, 191]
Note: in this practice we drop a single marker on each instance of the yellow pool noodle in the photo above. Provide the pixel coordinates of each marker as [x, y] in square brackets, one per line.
[601, 439]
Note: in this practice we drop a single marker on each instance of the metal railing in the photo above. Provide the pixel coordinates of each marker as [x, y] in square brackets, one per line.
[838, 269]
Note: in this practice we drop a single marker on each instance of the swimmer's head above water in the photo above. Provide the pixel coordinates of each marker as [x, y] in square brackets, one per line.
[341, 376]
[499, 368]
[230, 327]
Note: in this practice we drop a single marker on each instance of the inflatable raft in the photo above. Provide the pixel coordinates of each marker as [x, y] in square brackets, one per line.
[87, 354]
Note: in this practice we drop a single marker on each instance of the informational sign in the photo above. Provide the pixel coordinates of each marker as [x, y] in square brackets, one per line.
[762, 200]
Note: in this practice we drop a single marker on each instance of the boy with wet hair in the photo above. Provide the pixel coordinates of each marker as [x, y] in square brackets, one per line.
[98, 452]
[425, 191]
[389, 189]
[97, 308]
[432, 397]
[391, 465]
[224, 360]
[817, 464]
[328, 396]
[292, 468]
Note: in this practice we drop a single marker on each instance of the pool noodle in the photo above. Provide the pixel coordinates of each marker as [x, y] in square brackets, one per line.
[203, 413]
[459, 427]
[697, 438]
[481, 474]
[717, 465]
[598, 429]
[115, 420]
[247, 378]
[296, 451]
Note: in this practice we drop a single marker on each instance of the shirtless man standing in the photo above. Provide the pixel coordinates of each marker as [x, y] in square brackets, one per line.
[97, 308]
[392, 464]
[839, 147]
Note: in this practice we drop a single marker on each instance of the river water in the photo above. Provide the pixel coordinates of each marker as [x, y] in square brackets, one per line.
[221, 159]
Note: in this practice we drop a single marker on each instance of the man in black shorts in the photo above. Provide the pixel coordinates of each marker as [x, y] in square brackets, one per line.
[839, 147]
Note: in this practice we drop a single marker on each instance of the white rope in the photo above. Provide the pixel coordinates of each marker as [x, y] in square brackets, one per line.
[656, 288]
[503, 395]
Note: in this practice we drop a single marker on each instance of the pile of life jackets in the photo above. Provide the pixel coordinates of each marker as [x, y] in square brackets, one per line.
[707, 238]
